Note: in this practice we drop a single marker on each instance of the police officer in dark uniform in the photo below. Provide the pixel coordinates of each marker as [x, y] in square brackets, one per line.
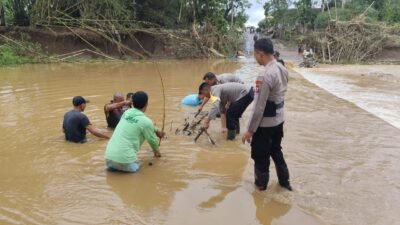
[265, 130]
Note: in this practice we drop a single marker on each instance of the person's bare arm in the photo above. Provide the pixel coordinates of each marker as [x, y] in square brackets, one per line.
[96, 132]
[112, 106]
[203, 104]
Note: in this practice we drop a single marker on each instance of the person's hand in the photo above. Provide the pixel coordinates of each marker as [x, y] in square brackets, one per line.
[224, 130]
[200, 109]
[247, 137]
[128, 102]
[206, 125]
[160, 134]
[157, 154]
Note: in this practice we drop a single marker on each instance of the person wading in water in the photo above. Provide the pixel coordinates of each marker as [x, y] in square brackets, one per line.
[265, 129]
[212, 80]
[133, 129]
[114, 109]
[239, 97]
[76, 123]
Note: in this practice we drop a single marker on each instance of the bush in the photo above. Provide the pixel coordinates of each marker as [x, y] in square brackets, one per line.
[321, 22]
[8, 56]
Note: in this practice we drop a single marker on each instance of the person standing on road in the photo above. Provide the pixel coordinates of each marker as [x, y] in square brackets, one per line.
[265, 129]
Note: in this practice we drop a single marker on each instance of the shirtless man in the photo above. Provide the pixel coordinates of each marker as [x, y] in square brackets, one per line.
[114, 109]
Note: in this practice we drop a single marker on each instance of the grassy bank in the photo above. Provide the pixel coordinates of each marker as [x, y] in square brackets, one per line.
[10, 57]
[20, 51]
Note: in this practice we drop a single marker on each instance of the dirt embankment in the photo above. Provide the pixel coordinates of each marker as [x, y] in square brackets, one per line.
[144, 43]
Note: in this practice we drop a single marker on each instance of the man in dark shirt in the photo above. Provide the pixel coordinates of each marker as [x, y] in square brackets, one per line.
[114, 109]
[76, 123]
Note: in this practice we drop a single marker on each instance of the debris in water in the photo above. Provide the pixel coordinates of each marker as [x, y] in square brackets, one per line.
[192, 127]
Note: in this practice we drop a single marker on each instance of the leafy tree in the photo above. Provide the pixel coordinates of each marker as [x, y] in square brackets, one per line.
[18, 11]
[391, 9]
[275, 10]
[306, 13]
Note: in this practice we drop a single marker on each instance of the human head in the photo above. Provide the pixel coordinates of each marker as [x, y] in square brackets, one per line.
[129, 96]
[277, 55]
[263, 51]
[255, 37]
[140, 100]
[79, 103]
[204, 90]
[210, 78]
[118, 97]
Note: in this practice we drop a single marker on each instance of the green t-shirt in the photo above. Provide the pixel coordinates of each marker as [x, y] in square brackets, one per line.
[130, 133]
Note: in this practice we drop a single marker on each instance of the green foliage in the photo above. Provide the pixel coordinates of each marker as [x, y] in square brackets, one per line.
[306, 14]
[9, 56]
[20, 50]
[391, 9]
[344, 14]
[275, 11]
[18, 11]
[322, 20]
[222, 15]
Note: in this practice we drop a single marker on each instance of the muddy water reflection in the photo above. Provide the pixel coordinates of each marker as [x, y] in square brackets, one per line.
[344, 172]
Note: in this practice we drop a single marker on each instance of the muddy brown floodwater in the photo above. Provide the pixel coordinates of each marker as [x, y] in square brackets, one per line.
[343, 159]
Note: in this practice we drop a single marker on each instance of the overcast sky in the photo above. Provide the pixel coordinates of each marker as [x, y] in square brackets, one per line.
[256, 12]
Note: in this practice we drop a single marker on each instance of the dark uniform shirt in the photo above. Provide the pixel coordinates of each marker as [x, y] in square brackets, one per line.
[74, 126]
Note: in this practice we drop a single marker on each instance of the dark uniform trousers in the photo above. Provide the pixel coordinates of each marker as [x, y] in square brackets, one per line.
[236, 110]
[266, 143]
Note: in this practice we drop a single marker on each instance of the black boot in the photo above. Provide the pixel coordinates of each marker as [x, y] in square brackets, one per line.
[231, 134]
[261, 179]
[283, 177]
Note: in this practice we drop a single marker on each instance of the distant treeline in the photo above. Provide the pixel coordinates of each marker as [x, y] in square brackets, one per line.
[303, 15]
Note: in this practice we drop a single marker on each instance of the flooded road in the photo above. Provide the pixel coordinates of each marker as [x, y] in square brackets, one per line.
[343, 160]
[374, 88]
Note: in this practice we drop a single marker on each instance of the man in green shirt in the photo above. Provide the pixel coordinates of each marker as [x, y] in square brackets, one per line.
[132, 130]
